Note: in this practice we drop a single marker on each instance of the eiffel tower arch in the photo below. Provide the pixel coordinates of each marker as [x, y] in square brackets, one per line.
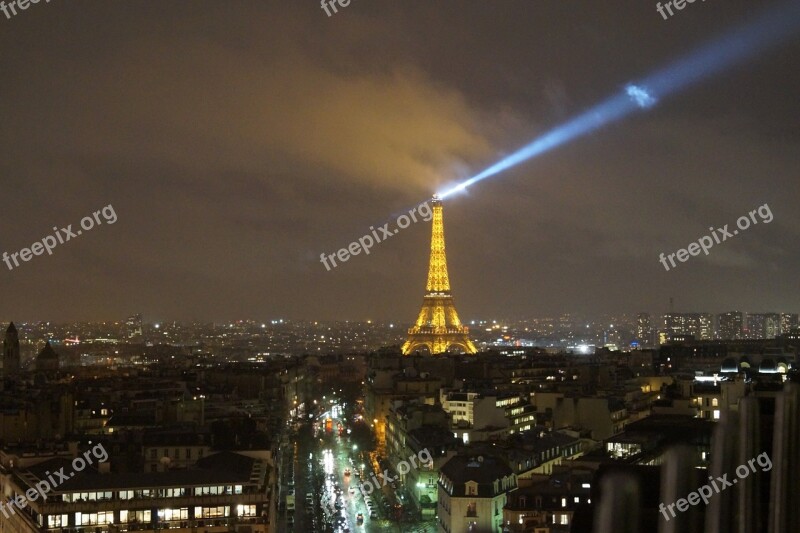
[438, 327]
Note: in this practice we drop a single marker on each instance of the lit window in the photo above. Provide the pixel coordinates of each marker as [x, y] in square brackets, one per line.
[58, 520]
[176, 514]
[212, 512]
[246, 510]
[716, 414]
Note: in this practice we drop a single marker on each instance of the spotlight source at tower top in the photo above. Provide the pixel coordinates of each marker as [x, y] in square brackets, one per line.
[772, 28]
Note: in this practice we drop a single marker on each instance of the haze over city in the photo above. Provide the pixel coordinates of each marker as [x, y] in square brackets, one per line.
[239, 141]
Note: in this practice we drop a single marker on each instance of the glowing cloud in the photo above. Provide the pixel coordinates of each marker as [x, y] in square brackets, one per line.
[640, 96]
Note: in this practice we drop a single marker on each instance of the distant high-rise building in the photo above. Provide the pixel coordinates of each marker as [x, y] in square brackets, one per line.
[133, 327]
[763, 325]
[773, 324]
[673, 324]
[730, 325]
[644, 330]
[699, 325]
[756, 326]
[789, 321]
[11, 351]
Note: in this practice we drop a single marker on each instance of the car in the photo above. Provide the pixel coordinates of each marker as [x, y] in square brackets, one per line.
[373, 515]
[346, 471]
[360, 518]
[352, 490]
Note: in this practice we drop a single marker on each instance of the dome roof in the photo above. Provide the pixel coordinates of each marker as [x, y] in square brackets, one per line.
[47, 353]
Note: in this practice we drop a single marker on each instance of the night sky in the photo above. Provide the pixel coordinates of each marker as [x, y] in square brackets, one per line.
[239, 140]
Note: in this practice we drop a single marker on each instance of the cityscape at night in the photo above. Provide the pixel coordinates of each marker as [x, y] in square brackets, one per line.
[413, 267]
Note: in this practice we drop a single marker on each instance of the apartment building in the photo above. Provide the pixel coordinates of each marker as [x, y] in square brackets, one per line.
[225, 492]
[472, 492]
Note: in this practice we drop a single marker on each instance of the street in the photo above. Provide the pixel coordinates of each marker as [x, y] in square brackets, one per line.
[327, 472]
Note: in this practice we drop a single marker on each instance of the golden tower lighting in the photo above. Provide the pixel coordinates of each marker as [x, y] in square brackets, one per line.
[438, 326]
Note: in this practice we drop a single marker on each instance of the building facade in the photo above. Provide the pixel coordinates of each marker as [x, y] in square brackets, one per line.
[225, 492]
[472, 492]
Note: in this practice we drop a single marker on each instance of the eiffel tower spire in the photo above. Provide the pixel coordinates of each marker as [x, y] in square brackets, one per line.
[438, 326]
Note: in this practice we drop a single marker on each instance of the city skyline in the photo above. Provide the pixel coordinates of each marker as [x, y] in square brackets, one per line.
[622, 332]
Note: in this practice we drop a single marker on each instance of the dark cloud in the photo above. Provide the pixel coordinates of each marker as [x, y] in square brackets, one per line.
[239, 140]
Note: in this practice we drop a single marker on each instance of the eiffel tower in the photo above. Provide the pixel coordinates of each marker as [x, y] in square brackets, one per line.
[438, 326]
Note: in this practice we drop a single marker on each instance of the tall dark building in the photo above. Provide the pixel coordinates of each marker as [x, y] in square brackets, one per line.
[763, 325]
[730, 325]
[11, 351]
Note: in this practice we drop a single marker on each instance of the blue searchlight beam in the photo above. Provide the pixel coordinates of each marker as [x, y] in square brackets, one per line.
[772, 28]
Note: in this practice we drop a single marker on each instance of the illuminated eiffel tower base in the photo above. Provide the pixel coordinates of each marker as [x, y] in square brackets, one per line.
[438, 327]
